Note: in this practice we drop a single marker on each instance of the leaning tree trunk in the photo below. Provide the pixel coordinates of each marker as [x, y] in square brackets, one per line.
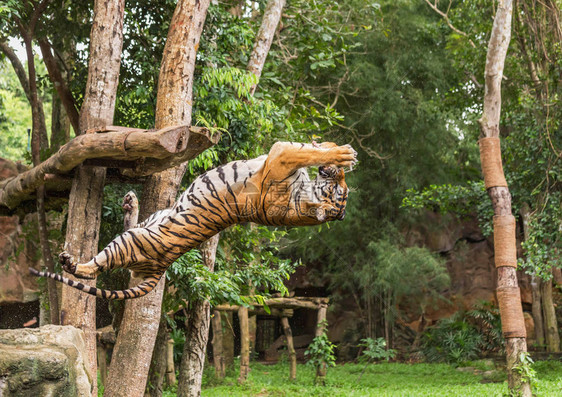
[290, 348]
[84, 212]
[197, 332]
[508, 293]
[133, 351]
[271, 19]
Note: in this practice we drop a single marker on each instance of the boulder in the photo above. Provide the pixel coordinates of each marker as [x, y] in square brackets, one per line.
[46, 361]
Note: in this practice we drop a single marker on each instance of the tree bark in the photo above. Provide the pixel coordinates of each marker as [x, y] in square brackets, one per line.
[321, 329]
[197, 332]
[133, 350]
[550, 322]
[155, 386]
[271, 18]
[170, 365]
[244, 344]
[61, 87]
[116, 145]
[290, 348]
[218, 348]
[84, 213]
[508, 293]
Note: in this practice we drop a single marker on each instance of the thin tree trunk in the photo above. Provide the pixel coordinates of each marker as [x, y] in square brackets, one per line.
[218, 348]
[197, 332]
[39, 143]
[271, 18]
[290, 348]
[228, 338]
[84, 213]
[170, 365]
[550, 323]
[47, 256]
[536, 308]
[244, 344]
[508, 293]
[321, 329]
[133, 350]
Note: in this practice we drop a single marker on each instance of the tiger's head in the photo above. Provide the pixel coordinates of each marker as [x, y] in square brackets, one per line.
[301, 201]
[331, 190]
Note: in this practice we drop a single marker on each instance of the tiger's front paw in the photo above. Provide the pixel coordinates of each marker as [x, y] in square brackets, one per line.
[346, 156]
[67, 262]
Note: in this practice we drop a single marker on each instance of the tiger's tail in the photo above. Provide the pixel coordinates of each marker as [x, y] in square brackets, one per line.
[142, 289]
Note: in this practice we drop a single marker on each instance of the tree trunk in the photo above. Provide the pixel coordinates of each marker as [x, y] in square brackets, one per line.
[197, 332]
[39, 143]
[228, 339]
[60, 126]
[133, 350]
[321, 329]
[508, 293]
[155, 386]
[84, 213]
[244, 344]
[218, 348]
[536, 308]
[264, 38]
[271, 18]
[550, 323]
[170, 365]
[290, 348]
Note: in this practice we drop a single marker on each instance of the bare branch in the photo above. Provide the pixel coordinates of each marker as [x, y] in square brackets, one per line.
[60, 85]
[445, 16]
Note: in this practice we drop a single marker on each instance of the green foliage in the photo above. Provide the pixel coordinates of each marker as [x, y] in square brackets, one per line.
[463, 336]
[457, 199]
[452, 340]
[525, 368]
[242, 275]
[320, 352]
[543, 247]
[486, 319]
[374, 350]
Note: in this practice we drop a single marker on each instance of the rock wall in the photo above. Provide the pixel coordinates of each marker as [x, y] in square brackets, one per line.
[17, 254]
[46, 361]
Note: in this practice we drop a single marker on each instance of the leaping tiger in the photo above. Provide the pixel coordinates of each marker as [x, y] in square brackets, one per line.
[273, 189]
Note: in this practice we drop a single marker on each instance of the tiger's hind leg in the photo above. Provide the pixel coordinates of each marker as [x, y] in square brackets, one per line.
[69, 265]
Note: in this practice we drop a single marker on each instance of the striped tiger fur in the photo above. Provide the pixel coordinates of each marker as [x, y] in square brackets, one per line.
[273, 189]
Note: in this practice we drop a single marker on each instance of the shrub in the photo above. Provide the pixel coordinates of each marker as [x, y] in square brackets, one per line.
[452, 340]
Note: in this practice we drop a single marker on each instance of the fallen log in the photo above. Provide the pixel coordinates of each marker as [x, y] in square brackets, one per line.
[145, 152]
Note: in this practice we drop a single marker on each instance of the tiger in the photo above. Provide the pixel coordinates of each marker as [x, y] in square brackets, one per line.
[274, 190]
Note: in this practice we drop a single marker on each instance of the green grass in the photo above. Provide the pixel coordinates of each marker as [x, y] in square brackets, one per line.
[387, 379]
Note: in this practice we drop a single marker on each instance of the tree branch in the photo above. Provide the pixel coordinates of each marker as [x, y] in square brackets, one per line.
[445, 16]
[18, 67]
[162, 147]
[60, 85]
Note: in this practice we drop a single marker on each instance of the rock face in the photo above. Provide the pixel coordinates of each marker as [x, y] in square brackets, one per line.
[17, 253]
[46, 361]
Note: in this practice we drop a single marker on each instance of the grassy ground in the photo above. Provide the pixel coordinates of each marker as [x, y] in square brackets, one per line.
[387, 379]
